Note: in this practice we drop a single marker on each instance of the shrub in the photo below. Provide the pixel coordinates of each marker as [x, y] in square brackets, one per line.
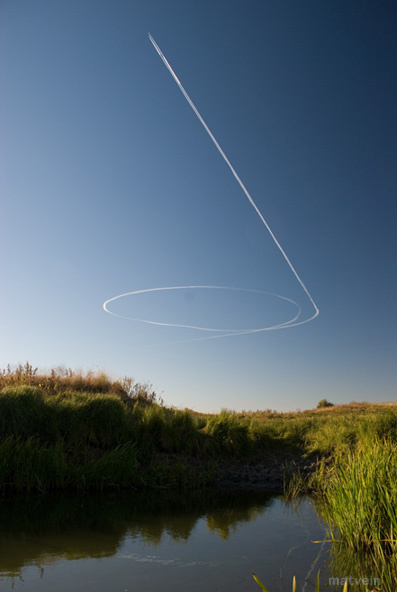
[324, 403]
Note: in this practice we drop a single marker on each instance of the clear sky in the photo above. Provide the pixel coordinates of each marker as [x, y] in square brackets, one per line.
[110, 185]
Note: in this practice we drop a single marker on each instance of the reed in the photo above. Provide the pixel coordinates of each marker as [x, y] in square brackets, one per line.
[359, 494]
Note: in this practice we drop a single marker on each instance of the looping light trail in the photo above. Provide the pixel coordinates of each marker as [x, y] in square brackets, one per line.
[294, 322]
[224, 332]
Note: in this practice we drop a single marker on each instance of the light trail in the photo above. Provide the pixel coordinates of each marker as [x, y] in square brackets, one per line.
[294, 322]
[224, 332]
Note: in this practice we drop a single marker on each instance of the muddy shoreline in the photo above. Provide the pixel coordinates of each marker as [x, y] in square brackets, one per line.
[267, 473]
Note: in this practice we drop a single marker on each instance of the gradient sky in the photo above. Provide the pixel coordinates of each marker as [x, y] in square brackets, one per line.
[110, 185]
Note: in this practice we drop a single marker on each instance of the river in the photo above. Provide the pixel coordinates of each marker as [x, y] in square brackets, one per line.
[198, 541]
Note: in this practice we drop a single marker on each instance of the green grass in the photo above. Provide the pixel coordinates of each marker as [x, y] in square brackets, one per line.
[75, 418]
[75, 428]
[356, 495]
[359, 494]
[86, 441]
[68, 431]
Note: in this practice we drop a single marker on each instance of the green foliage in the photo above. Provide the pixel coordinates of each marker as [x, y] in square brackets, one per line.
[85, 440]
[167, 430]
[230, 434]
[328, 434]
[262, 586]
[295, 483]
[75, 418]
[85, 423]
[23, 412]
[359, 494]
[324, 403]
[114, 469]
[27, 465]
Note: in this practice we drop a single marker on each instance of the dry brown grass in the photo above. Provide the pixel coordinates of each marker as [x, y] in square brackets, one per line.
[60, 379]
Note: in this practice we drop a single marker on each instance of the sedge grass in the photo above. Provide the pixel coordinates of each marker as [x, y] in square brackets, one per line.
[359, 495]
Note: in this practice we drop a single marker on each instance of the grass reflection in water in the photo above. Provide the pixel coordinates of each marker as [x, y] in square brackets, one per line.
[80, 527]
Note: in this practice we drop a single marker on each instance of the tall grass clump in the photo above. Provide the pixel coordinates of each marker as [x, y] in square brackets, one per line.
[330, 434]
[359, 497]
[167, 430]
[88, 440]
[28, 465]
[338, 432]
[114, 469]
[99, 420]
[75, 418]
[381, 424]
[230, 435]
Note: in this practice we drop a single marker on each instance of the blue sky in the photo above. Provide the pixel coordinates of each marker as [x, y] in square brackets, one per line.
[111, 185]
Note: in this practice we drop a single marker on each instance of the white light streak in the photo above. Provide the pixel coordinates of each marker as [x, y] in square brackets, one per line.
[294, 322]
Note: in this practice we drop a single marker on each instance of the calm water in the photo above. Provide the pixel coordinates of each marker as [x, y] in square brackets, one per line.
[197, 542]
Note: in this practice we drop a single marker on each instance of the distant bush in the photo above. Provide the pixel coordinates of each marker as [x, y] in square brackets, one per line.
[324, 403]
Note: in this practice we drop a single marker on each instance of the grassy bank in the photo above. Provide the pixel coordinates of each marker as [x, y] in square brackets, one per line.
[86, 441]
[67, 431]
[64, 430]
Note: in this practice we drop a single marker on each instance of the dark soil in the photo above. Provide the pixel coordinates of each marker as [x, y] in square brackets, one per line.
[267, 473]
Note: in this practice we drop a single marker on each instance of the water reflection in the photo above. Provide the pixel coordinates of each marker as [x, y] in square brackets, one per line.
[43, 530]
[210, 540]
[363, 570]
